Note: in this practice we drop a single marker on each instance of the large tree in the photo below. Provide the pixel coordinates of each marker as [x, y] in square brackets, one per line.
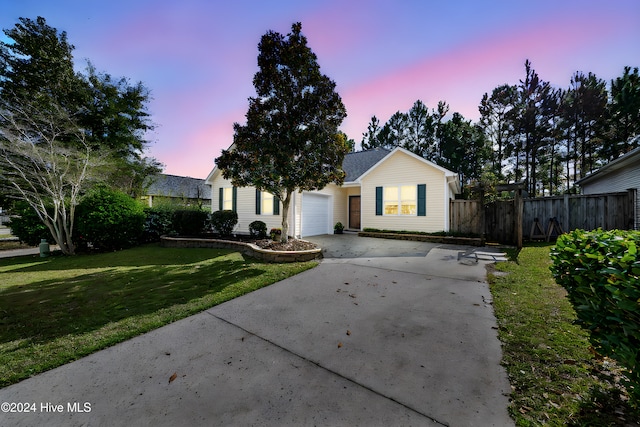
[37, 67]
[46, 162]
[60, 128]
[624, 112]
[583, 109]
[496, 120]
[290, 141]
[465, 148]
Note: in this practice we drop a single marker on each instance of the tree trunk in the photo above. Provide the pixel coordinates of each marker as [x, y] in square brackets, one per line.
[284, 237]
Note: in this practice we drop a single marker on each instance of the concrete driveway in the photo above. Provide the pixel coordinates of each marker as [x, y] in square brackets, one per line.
[367, 338]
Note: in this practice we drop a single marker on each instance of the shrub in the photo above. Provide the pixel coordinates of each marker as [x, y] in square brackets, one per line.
[158, 222]
[109, 220]
[27, 226]
[189, 222]
[601, 272]
[223, 222]
[258, 230]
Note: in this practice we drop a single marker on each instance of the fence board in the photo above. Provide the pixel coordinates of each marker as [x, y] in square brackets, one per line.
[607, 211]
[466, 216]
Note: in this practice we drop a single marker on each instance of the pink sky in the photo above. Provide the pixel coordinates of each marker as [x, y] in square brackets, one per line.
[199, 57]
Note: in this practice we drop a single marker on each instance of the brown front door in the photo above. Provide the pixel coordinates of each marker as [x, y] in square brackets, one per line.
[354, 212]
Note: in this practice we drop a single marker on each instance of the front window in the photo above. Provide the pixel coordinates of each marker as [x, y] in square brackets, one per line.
[267, 203]
[400, 200]
[227, 199]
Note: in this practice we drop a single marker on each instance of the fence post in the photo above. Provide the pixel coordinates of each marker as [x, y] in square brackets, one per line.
[518, 207]
[633, 204]
[519, 214]
[567, 213]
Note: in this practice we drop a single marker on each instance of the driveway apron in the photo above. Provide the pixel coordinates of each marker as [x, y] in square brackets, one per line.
[366, 338]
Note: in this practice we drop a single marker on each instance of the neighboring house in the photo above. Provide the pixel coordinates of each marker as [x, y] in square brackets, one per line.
[177, 190]
[621, 174]
[393, 190]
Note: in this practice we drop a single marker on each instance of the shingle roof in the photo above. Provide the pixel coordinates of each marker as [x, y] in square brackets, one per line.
[357, 163]
[179, 186]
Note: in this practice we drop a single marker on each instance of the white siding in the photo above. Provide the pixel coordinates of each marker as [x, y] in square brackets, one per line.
[246, 206]
[621, 179]
[403, 169]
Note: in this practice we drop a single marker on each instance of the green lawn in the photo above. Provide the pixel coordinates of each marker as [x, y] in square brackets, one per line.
[555, 378]
[58, 309]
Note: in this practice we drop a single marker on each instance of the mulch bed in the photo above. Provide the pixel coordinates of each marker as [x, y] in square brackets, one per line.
[291, 245]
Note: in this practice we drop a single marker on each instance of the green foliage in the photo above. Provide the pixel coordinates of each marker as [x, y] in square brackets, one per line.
[291, 140]
[224, 221]
[189, 222]
[275, 233]
[258, 229]
[27, 226]
[36, 65]
[624, 113]
[109, 220]
[158, 222]
[601, 272]
[338, 227]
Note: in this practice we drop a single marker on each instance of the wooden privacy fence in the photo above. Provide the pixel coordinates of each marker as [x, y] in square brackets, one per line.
[543, 217]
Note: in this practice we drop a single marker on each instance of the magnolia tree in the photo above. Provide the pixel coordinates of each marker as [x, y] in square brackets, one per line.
[291, 140]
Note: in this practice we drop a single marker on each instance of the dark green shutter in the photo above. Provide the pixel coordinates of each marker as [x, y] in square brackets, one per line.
[378, 200]
[422, 200]
[258, 201]
[221, 199]
[234, 199]
[276, 205]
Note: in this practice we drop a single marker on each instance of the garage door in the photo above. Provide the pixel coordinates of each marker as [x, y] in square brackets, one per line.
[315, 214]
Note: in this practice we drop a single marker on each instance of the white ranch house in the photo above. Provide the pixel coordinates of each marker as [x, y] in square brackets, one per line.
[383, 189]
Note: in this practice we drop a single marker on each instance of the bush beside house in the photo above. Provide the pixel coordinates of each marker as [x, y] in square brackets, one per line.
[109, 220]
[601, 272]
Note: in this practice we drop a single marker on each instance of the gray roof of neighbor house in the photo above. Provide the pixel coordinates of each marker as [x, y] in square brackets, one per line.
[357, 163]
[178, 186]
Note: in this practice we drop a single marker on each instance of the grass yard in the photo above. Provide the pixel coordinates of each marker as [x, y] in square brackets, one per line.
[58, 309]
[555, 378]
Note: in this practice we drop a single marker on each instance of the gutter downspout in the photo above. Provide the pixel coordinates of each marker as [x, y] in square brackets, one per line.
[294, 216]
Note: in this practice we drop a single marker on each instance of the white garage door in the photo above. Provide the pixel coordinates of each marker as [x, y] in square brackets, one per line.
[315, 214]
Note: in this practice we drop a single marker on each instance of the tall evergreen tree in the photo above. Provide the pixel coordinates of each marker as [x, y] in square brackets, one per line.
[291, 140]
[370, 137]
[583, 110]
[496, 121]
[624, 111]
[465, 148]
[393, 133]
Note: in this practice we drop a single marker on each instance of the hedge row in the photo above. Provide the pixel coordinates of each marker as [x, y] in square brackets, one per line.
[601, 272]
[110, 220]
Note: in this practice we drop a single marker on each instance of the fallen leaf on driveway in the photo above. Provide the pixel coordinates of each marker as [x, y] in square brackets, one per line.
[348, 332]
[339, 345]
[173, 377]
